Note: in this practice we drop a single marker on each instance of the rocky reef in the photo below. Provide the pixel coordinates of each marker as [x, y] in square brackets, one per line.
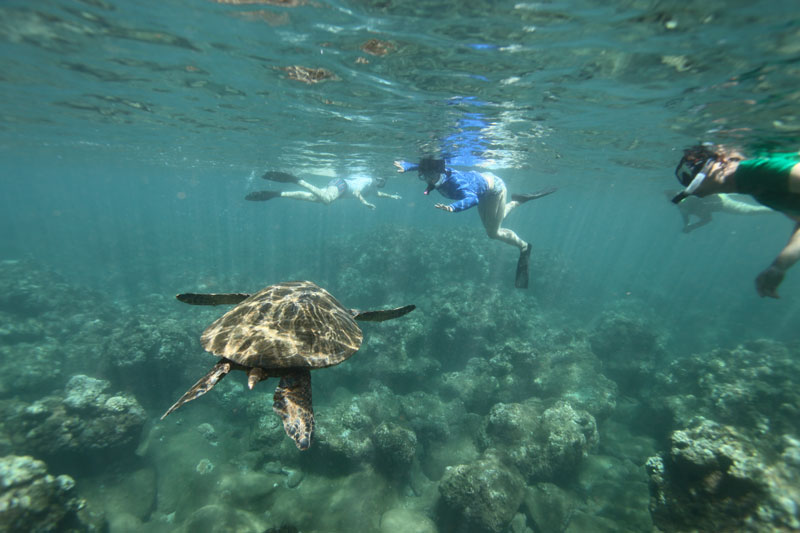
[731, 462]
[628, 347]
[84, 423]
[482, 496]
[33, 500]
[543, 444]
[714, 479]
[41, 343]
[138, 345]
[751, 386]
[485, 410]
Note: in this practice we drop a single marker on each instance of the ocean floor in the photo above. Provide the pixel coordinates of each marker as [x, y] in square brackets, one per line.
[487, 409]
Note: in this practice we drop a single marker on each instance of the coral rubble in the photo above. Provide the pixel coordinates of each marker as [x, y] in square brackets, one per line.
[33, 500]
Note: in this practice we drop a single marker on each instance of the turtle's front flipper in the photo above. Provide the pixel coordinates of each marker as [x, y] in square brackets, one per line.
[225, 298]
[205, 384]
[292, 402]
[380, 316]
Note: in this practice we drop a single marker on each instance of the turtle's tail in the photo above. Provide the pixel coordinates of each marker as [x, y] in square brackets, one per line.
[205, 384]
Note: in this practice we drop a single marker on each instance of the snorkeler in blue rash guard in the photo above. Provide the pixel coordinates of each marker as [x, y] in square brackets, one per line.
[483, 189]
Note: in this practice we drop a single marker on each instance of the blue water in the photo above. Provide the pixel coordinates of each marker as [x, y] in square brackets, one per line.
[131, 132]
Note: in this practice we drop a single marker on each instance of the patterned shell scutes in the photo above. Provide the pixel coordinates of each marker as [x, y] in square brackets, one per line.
[292, 324]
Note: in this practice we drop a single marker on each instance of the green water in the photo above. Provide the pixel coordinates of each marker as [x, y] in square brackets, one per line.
[131, 132]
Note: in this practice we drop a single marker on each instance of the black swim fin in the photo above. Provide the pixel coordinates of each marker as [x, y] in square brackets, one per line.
[262, 196]
[521, 281]
[522, 198]
[280, 177]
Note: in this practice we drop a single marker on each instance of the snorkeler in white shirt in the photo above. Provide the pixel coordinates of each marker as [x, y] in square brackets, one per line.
[358, 187]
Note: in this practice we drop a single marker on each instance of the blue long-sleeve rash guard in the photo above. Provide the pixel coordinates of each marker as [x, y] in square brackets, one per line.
[465, 187]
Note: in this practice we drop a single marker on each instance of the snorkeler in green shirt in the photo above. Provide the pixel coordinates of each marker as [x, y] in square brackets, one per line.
[771, 179]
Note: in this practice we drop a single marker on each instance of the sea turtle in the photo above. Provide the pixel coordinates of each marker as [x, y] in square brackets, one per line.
[284, 330]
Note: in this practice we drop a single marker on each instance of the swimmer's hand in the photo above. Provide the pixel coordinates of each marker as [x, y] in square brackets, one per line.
[395, 197]
[444, 207]
[405, 166]
[767, 282]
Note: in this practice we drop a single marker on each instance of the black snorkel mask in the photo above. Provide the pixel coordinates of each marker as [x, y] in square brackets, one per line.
[691, 172]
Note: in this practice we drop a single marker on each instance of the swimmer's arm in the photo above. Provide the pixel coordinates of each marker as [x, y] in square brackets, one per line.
[392, 196]
[699, 224]
[469, 199]
[362, 200]
[685, 217]
[791, 252]
[767, 282]
[731, 205]
[405, 166]
[794, 179]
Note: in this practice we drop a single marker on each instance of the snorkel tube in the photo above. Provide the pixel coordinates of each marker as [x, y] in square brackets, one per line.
[694, 184]
[693, 169]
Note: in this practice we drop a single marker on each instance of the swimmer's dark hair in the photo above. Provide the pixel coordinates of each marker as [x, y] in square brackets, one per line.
[700, 152]
[429, 165]
[706, 151]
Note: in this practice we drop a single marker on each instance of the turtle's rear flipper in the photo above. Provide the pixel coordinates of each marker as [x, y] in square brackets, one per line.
[522, 198]
[380, 316]
[205, 384]
[227, 298]
[280, 177]
[292, 402]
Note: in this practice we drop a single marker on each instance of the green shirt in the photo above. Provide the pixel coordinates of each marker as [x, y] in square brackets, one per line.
[766, 179]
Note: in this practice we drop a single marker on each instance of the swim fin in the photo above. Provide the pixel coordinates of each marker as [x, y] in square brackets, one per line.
[262, 196]
[522, 198]
[280, 177]
[521, 281]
